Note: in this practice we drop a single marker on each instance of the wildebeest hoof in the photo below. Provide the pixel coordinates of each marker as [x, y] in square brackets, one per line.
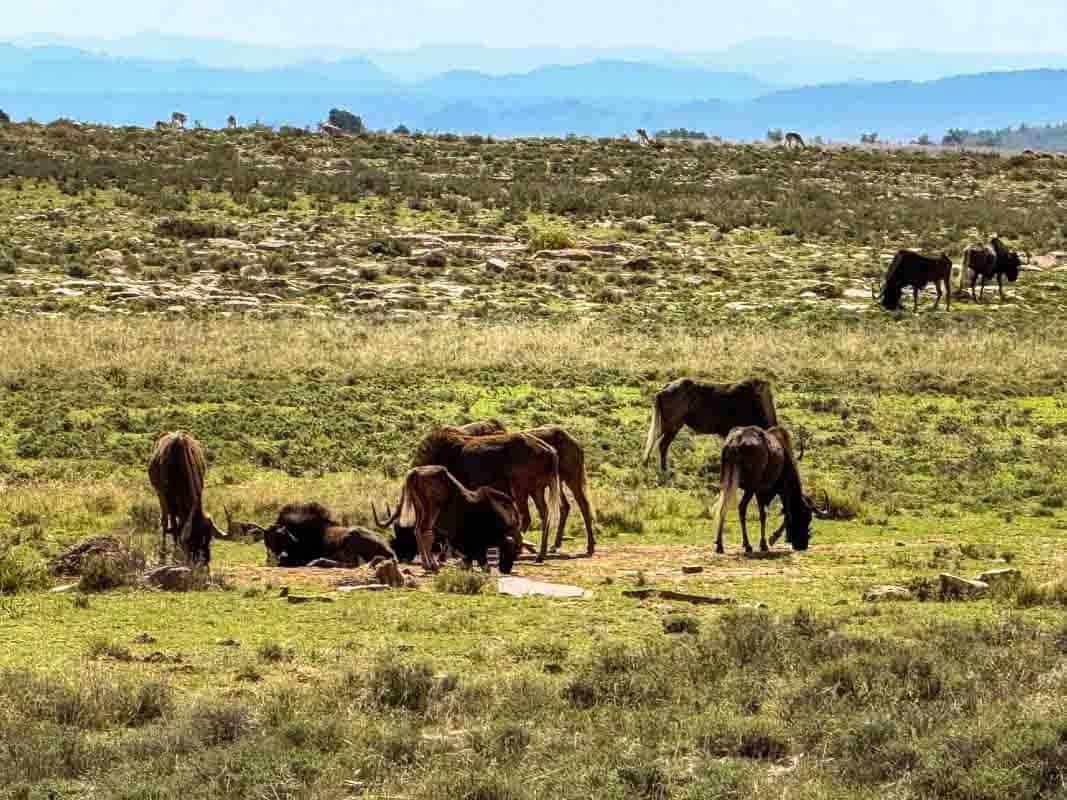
[719, 550]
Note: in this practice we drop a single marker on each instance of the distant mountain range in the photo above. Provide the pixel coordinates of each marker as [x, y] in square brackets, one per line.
[776, 61]
[596, 98]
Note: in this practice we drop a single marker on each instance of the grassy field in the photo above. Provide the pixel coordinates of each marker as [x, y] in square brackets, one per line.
[328, 314]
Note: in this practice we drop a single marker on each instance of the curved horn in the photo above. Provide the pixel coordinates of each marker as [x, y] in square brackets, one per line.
[824, 512]
[391, 516]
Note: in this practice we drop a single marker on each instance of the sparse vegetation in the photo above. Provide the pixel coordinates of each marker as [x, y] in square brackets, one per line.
[309, 306]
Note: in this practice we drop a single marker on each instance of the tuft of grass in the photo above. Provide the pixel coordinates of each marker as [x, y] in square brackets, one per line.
[456, 580]
[22, 569]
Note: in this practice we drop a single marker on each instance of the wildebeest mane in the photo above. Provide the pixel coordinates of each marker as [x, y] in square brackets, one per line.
[439, 446]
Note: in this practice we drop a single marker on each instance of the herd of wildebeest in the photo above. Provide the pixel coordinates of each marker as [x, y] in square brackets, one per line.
[468, 490]
[467, 493]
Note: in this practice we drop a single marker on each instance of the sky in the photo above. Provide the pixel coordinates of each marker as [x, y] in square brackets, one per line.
[694, 25]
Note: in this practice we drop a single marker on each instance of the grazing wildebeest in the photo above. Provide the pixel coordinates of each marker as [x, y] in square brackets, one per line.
[469, 521]
[912, 269]
[761, 462]
[176, 471]
[985, 262]
[516, 463]
[571, 471]
[707, 408]
[304, 532]
[794, 139]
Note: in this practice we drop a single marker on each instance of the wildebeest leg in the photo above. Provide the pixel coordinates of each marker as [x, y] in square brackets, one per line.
[937, 288]
[718, 538]
[424, 540]
[587, 516]
[1000, 286]
[542, 509]
[564, 510]
[762, 526]
[981, 294]
[664, 445]
[914, 299]
[778, 533]
[742, 512]
[948, 293]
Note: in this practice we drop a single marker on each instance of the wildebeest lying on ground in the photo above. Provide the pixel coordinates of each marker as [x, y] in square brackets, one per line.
[518, 464]
[761, 462]
[571, 471]
[707, 408]
[469, 521]
[986, 262]
[909, 268]
[176, 471]
[304, 532]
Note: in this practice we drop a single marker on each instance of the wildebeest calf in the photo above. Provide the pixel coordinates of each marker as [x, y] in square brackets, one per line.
[912, 269]
[470, 521]
[987, 262]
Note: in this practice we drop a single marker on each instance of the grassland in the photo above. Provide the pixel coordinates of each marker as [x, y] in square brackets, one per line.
[338, 310]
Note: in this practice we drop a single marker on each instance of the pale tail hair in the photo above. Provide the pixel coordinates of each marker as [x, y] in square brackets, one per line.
[655, 430]
[727, 493]
[407, 507]
[554, 495]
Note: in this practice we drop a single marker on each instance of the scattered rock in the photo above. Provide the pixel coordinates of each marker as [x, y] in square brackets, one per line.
[995, 576]
[524, 587]
[669, 594]
[64, 588]
[324, 563]
[71, 560]
[366, 587]
[170, 579]
[878, 594]
[144, 638]
[568, 254]
[308, 598]
[955, 586]
[272, 244]
[110, 256]
[228, 643]
[692, 569]
[388, 572]
[496, 265]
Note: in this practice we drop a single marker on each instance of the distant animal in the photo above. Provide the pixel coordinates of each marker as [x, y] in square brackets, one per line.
[643, 138]
[707, 408]
[571, 472]
[231, 122]
[163, 126]
[331, 130]
[909, 268]
[761, 462]
[304, 532]
[178, 119]
[469, 521]
[516, 463]
[176, 472]
[794, 139]
[986, 262]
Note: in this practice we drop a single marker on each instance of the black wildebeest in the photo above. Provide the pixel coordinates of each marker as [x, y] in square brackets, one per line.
[176, 471]
[761, 462]
[707, 408]
[984, 262]
[516, 463]
[469, 521]
[304, 532]
[571, 471]
[909, 268]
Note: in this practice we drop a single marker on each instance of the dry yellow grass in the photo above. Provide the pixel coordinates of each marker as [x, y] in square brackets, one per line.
[877, 352]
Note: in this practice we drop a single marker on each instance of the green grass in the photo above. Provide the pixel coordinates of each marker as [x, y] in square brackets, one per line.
[938, 440]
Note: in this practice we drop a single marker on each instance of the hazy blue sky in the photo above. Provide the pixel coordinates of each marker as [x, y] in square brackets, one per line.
[973, 25]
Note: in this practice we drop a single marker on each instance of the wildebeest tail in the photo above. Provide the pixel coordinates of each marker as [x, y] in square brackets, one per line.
[407, 505]
[727, 491]
[554, 493]
[965, 266]
[655, 429]
[766, 399]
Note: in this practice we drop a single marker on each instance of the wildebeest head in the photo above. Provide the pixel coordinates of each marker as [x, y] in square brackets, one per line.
[279, 542]
[1010, 264]
[798, 525]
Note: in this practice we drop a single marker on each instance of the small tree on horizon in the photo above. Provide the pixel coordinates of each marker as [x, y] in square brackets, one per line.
[346, 120]
[775, 135]
[4, 118]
